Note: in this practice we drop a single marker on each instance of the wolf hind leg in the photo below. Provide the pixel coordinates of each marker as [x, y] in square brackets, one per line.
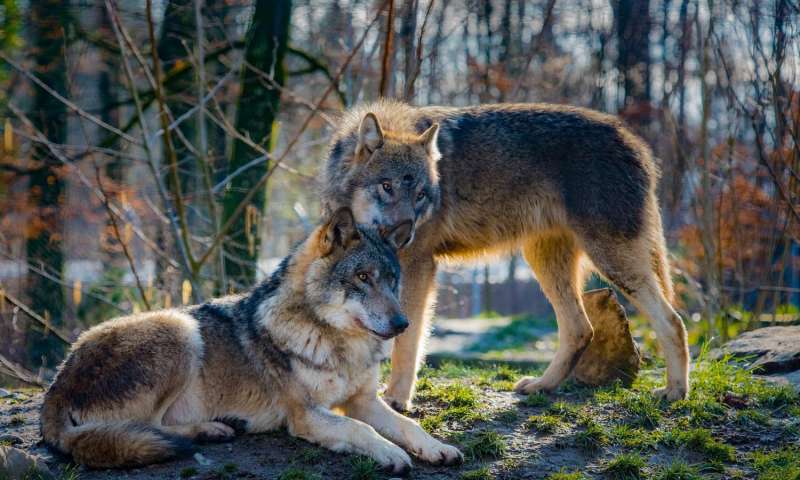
[640, 270]
[417, 296]
[556, 260]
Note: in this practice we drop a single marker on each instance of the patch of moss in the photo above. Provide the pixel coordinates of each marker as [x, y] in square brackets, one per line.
[627, 466]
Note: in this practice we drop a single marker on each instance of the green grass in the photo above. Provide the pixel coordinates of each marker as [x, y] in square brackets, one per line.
[363, 468]
[725, 401]
[564, 475]
[641, 408]
[453, 395]
[780, 464]
[677, 470]
[536, 400]
[479, 474]
[310, 455]
[294, 473]
[506, 415]
[486, 445]
[626, 466]
[465, 416]
[592, 438]
[751, 417]
[545, 423]
[702, 441]
[635, 438]
[565, 410]
[189, 472]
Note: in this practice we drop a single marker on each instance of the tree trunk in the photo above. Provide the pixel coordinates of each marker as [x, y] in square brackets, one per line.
[47, 189]
[633, 48]
[265, 49]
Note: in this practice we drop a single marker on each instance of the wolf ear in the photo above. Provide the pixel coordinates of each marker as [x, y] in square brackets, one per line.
[399, 235]
[370, 134]
[339, 232]
[429, 138]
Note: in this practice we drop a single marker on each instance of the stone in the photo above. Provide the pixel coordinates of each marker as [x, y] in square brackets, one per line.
[4, 393]
[16, 464]
[767, 350]
[613, 354]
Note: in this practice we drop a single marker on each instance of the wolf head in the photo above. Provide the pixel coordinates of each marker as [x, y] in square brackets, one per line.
[353, 276]
[390, 178]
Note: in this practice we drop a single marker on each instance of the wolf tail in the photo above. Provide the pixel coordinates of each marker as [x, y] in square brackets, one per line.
[123, 444]
[112, 444]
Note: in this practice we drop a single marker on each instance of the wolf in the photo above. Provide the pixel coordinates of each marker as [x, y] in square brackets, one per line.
[309, 340]
[573, 189]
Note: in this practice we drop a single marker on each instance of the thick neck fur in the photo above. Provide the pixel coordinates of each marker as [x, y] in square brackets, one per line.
[287, 318]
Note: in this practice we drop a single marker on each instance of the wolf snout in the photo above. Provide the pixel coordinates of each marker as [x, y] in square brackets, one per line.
[399, 323]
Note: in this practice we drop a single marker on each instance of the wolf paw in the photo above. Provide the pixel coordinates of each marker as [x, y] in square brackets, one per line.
[528, 385]
[438, 453]
[398, 405]
[213, 432]
[670, 394]
[392, 458]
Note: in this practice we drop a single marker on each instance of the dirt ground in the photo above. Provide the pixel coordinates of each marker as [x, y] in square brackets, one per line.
[733, 426]
[506, 436]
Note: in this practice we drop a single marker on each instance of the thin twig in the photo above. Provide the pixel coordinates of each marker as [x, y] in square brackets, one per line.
[263, 180]
[69, 104]
[63, 336]
[121, 240]
[7, 367]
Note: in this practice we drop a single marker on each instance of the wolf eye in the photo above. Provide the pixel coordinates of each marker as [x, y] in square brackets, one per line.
[363, 276]
[421, 195]
[387, 187]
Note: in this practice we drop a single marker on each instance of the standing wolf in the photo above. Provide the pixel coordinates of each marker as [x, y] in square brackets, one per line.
[572, 188]
[139, 389]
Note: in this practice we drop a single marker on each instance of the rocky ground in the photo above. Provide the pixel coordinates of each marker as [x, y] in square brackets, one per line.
[734, 425]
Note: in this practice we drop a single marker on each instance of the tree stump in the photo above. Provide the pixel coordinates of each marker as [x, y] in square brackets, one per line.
[612, 355]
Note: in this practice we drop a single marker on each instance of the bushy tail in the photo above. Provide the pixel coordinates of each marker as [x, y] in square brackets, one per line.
[113, 444]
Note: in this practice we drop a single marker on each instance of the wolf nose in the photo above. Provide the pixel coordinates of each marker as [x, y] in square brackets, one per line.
[403, 232]
[399, 323]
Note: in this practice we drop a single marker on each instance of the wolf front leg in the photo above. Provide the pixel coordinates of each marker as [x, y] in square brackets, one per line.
[369, 408]
[343, 434]
[416, 297]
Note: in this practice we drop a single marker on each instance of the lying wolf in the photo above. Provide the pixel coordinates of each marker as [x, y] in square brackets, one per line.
[140, 389]
[573, 189]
